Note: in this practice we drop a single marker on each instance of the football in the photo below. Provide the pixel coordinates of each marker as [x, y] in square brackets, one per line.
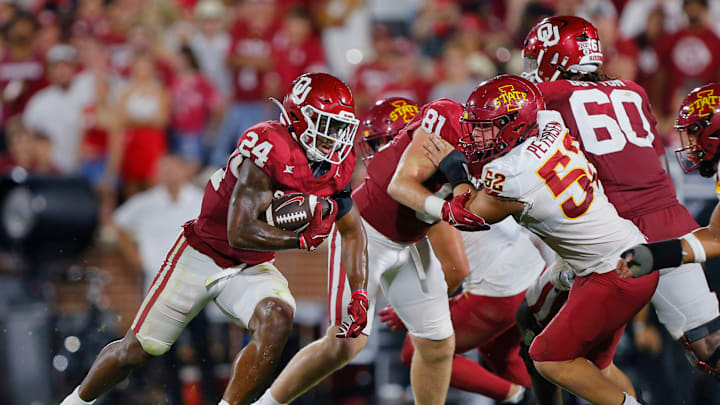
[294, 211]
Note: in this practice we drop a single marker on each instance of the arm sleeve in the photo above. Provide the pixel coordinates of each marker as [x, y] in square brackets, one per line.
[344, 201]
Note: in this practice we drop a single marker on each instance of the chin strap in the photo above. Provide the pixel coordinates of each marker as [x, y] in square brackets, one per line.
[284, 116]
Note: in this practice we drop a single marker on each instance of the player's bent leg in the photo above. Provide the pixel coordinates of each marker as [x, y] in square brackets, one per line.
[583, 379]
[417, 291]
[597, 309]
[546, 393]
[614, 374]
[271, 325]
[257, 298]
[430, 369]
[702, 346]
[313, 364]
[175, 297]
[689, 310]
[114, 363]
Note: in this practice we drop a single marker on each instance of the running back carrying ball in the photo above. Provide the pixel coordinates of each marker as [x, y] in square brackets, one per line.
[294, 211]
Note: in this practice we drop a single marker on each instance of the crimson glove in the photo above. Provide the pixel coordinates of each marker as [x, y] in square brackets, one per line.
[454, 213]
[389, 317]
[357, 314]
[319, 227]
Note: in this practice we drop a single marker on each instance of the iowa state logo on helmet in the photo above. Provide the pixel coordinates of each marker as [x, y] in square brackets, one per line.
[704, 105]
[402, 109]
[510, 98]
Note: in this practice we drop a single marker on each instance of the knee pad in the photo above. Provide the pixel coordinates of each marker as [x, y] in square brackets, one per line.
[152, 346]
[527, 323]
[708, 366]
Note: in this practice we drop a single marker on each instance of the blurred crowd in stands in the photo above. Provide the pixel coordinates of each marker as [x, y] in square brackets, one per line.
[142, 96]
[105, 88]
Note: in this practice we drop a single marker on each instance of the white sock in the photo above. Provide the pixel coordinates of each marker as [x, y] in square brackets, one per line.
[517, 397]
[74, 399]
[267, 399]
[223, 402]
[629, 400]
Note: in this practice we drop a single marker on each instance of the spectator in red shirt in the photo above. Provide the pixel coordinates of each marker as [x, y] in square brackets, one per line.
[620, 53]
[372, 76]
[648, 43]
[144, 113]
[21, 68]
[691, 55]
[249, 59]
[407, 81]
[296, 49]
[196, 109]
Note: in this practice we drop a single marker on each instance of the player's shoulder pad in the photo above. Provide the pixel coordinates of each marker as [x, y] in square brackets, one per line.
[500, 177]
[513, 175]
[268, 145]
[442, 118]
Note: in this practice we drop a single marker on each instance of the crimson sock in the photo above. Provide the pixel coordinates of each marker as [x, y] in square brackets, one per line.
[468, 375]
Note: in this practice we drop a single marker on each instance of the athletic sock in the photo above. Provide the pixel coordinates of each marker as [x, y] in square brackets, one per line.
[267, 399]
[223, 402]
[629, 400]
[74, 399]
[517, 397]
[468, 375]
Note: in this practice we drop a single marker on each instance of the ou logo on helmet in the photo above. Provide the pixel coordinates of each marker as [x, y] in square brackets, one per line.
[300, 89]
[548, 34]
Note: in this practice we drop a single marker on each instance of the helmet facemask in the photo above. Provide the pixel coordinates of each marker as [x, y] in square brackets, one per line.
[691, 155]
[328, 137]
[484, 140]
[530, 69]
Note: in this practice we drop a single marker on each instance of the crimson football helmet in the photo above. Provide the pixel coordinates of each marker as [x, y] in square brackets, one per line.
[499, 114]
[319, 112]
[558, 44]
[698, 124]
[383, 122]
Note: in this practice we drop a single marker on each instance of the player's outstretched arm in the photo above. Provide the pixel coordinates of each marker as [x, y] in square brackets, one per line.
[697, 247]
[493, 209]
[448, 246]
[413, 169]
[354, 258]
[406, 187]
[250, 198]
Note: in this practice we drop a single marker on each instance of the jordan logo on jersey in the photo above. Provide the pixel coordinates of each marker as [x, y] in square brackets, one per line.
[510, 97]
[705, 103]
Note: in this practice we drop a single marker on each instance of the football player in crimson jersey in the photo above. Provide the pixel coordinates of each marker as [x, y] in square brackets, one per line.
[613, 122]
[698, 124]
[544, 181]
[503, 263]
[401, 262]
[226, 254]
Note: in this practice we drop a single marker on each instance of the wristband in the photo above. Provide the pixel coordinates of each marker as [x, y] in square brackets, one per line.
[454, 167]
[433, 207]
[360, 291]
[696, 246]
[666, 253]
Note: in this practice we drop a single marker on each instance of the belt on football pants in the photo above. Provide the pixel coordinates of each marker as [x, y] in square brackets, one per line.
[417, 263]
[223, 275]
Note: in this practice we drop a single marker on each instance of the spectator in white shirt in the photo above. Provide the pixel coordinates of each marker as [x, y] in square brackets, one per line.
[56, 111]
[149, 222]
[210, 44]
